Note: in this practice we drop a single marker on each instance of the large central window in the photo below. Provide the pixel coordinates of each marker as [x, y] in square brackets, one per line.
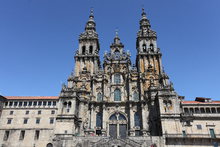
[117, 95]
[117, 79]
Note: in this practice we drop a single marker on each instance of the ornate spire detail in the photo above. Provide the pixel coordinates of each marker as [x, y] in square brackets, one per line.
[90, 28]
[90, 25]
[116, 39]
[144, 22]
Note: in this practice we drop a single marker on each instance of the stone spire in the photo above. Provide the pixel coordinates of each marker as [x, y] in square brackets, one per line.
[144, 22]
[90, 25]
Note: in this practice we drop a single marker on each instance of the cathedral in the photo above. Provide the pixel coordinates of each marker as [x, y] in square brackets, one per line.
[113, 104]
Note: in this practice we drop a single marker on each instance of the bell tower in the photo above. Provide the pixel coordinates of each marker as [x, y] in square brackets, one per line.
[87, 55]
[148, 59]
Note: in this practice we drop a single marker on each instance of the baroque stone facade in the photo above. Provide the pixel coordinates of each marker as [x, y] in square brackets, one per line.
[114, 105]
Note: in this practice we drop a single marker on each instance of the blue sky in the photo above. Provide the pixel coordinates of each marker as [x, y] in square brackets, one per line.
[38, 39]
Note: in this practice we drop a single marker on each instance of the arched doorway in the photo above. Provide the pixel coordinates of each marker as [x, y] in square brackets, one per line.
[49, 145]
[117, 126]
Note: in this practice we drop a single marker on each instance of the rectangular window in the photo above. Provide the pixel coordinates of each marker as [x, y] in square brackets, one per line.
[212, 133]
[44, 103]
[20, 104]
[37, 120]
[35, 103]
[39, 103]
[10, 103]
[49, 103]
[51, 120]
[39, 112]
[184, 133]
[6, 136]
[37, 135]
[9, 121]
[25, 104]
[22, 134]
[53, 112]
[15, 103]
[199, 127]
[11, 112]
[27, 112]
[6, 103]
[25, 120]
[29, 103]
[54, 103]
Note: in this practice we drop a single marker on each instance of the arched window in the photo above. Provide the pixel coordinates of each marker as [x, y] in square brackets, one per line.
[117, 95]
[151, 46]
[144, 48]
[121, 117]
[83, 50]
[207, 110]
[137, 121]
[49, 145]
[191, 110]
[186, 110]
[135, 96]
[197, 110]
[99, 119]
[99, 97]
[202, 110]
[218, 110]
[90, 49]
[113, 117]
[117, 78]
[213, 110]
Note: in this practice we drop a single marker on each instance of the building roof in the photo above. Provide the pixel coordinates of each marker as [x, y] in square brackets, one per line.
[31, 97]
[197, 102]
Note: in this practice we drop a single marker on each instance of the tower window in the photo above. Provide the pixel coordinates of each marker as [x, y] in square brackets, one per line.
[22, 134]
[11, 112]
[90, 49]
[37, 135]
[144, 48]
[9, 121]
[199, 127]
[99, 97]
[117, 79]
[25, 121]
[137, 121]
[117, 95]
[51, 120]
[6, 136]
[99, 119]
[37, 120]
[83, 50]
[212, 133]
[151, 47]
[184, 133]
[135, 96]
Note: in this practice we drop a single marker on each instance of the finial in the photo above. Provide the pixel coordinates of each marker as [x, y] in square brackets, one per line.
[143, 12]
[116, 32]
[91, 11]
[142, 8]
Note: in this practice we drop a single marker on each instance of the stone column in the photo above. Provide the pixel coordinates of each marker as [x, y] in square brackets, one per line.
[60, 107]
[92, 117]
[81, 107]
[131, 121]
[73, 107]
[145, 115]
[104, 120]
